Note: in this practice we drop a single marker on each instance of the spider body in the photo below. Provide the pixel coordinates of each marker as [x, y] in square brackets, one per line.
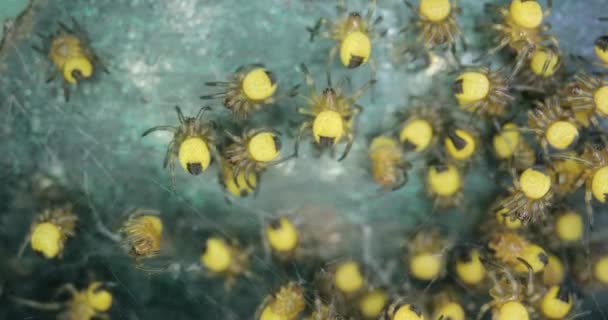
[435, 22]
[51, 230]
[530, 197]
[225, 259]
[143, 232]
[389, 167]
[286, 304]
[192, 145]
[483, 91]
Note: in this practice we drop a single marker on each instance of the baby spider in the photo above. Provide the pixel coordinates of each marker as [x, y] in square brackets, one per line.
[251, 153]
[283, 238]
[50, 231]
[589, 95]
[468, 267]
[444, 185]
[553, 125]
[512, 149]
[435, 23]
[567, 173]
[460, 144]
[192, 144]
[426, 255]
[420, 127]
[251, 87]
[71, 54]
[372, 302]
[142, 234]
[239, 186]
[531, 195]
[90, 303]
[400, 309]
[446, 306]
[353, 35]
[517, 252]
[226, 259]
[483, 91]
[522, 29]
[389, 167]
[542, 73]
[333, 114]
[285, 304]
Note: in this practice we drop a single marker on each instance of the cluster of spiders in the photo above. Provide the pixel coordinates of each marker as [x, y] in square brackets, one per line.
[540, 127]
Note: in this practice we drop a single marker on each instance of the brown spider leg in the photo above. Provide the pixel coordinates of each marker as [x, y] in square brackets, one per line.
[68, 287]
[233, 137]
[159, 128]
[168, 153]
[217, 84]
[485, 308]
[588, 204]
[48, 306]
[303, 128]
[172, 170]
[201, 112]
[213, 96]
[66, 92]
[371, 9]
[330, 61]
[410, 6]
[315, 30]
[350, 138]
[310, 83]
[357, 94]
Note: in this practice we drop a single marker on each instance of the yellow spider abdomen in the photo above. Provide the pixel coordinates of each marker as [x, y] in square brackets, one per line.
[506, 221]
[64, 47]
[243, 188]
[76, 68]
[600, 97]
[98, 298]
[381, 142]
[599, 184]
[267, 314]
[282, 235]
[264, 147]
[569, 226]
[446, 182]
[408, 312]
[288, 302]
[328, 124]
[418, 132]
[355, 49]
[535, 256]
[542, 57]
[451, 311]
[348, 277]
[471, 272]
[426, 266]
[194, 155]
[372, 303]
[259, 84]
[535, 184]
[600, 270]
[471, 87]
[561, 134]
[46, 238]
[217, 255]
[435, 10]
[506, 142]
[557, 303]
[513, 310]
[554, 271]
[526, 13]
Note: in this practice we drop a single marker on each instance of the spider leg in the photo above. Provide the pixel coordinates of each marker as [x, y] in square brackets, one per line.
[371, 9]
[213, 96]
[180, 115]
[350, 138]
[304, 127]
[159, 128]
[170, 152]
[217, 84]
[202, 111]
[589, 206]
[315, 30]
[310, 82]
[50, 306]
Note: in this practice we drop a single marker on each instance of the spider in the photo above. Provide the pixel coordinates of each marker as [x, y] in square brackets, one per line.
[50, 231]
[531, 195]
[333, 114]
[226, 258]
[553, 125]
[353, 35]
[421, 126]
[568, 169]
[601, 50]
[522, 29]
[251, 153]
[90, 303]
[426, 255]
[517, 252]
[286, 304]
[142, 232]
[239, 186]
[444, 184]
[483, 91]
[588, 95]
[251, 87]
[435, 22]
[192, 144]
[542, 74]
[70, 52]
[594, 176]
[401, 309]
[389, 167]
